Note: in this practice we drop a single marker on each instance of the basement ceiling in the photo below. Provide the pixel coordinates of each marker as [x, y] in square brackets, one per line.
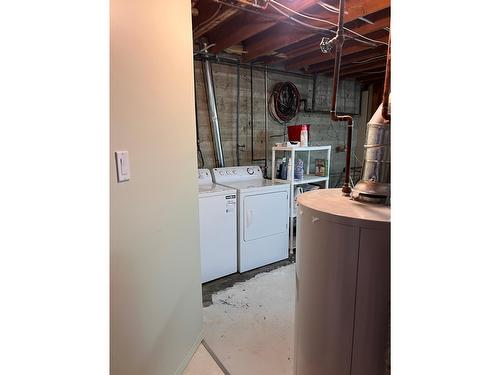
[287, 33]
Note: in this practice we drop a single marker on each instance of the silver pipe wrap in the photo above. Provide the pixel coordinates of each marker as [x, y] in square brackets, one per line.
[377, 163]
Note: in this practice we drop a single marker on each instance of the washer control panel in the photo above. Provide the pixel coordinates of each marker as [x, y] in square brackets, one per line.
[227, 174]
[204, 177]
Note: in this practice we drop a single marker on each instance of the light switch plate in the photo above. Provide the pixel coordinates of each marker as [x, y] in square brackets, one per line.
[122, 166]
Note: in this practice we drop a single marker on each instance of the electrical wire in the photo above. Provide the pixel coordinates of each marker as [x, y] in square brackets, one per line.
[293, 19]
[203, 49]
[329, 7]
[366, 20]
[365, 37]
[301, 14]
[379, 72]
[371, 59]
[209, 19]
[321, 20]
[298, 21]
[254, 4]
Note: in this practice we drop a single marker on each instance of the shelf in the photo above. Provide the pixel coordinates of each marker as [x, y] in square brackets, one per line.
[306, 180]
[294, 152]
[298, 148]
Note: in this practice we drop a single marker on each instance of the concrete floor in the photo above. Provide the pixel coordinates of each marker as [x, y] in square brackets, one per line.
[249, 326]
[202, 363]
[217, 285]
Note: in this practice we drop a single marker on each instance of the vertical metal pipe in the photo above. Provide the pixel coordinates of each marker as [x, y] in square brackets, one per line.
[251, 110]
[387, 84]
[198, 146]
[238, 114]
[212, 110]
[265, 118]
[313, 104]
[252, 117]
[346, 189]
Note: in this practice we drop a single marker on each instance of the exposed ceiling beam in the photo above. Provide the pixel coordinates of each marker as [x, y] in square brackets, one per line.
[358, 57]
[371, 78]
[313, 46]
[246, 25]
[318, 57]
[214, 23]
[204, 10]
[283, 34]
[355, 70]
[349, 53]
[360, 73]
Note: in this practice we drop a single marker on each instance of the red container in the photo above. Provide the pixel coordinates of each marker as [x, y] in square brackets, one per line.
[294, 132]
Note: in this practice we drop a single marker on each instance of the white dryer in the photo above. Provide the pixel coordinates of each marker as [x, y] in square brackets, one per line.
[263, 210]
[217, 215]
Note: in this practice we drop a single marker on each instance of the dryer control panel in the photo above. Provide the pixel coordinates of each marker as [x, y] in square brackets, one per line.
[231, 174]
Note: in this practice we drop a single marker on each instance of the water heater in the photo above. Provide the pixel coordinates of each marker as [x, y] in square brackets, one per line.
[342, 285]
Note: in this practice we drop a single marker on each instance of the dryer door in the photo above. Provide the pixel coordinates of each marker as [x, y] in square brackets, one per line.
[265, 215]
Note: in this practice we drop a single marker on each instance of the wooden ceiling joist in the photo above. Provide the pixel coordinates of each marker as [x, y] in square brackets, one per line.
[318, 57]
[355, 69]
[246, 25]
[371, 78]
[266, 36]
[355, 58]
[313, 46]
[283, 34]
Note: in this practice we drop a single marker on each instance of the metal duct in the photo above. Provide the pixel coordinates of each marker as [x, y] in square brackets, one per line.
[339, 41]
[374, 185]
[387, 84]
[212, 111]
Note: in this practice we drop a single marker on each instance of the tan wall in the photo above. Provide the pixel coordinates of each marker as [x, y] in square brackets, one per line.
[155, 266]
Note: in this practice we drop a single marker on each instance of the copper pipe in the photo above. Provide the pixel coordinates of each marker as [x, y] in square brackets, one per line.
[387, 84]
[346, 189]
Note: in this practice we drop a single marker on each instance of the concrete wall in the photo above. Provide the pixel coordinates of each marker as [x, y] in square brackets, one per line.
[323, 131]
[156, 319]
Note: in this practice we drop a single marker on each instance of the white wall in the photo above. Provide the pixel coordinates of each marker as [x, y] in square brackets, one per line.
[155, 266]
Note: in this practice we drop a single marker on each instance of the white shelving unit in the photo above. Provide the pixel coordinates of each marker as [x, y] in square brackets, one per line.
[308, 177]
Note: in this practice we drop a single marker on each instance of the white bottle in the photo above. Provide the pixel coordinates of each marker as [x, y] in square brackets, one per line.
[303, 137]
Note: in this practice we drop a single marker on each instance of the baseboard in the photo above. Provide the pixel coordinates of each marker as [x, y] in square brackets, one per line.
[191, 352]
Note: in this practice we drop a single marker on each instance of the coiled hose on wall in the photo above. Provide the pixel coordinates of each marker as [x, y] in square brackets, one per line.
[284, 102]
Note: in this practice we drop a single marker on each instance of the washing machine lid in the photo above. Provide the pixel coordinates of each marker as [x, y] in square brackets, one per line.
[206, 190]
[258, 185]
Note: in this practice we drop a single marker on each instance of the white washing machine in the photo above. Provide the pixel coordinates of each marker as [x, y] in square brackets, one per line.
[218, 234]
[263, 209]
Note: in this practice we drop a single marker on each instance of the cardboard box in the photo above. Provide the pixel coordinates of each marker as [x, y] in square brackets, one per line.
[321, 167]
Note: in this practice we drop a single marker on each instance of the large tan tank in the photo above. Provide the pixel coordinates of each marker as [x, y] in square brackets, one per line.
[342, 277]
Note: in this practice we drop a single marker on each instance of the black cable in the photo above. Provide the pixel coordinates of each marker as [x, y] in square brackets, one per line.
[238, 114]
[284, 102]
